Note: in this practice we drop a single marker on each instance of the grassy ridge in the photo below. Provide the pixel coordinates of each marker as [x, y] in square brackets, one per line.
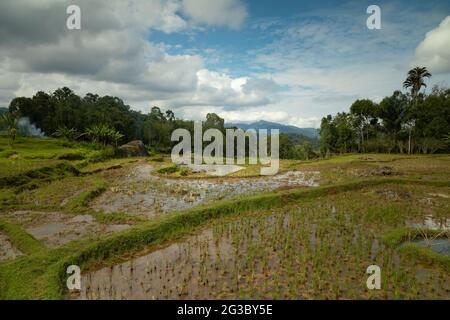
[29, 178]
[34, 153]
[83, 198]
[21, 239]
[44, 272]
[404, 236]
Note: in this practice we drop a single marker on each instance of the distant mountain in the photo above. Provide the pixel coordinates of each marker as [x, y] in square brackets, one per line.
[308, 132]
[3, 110]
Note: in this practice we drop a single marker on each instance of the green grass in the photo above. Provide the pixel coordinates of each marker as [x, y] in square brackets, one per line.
[20, 239]
[83, 199]
[400, 235]
[32, 178]
[402, 239]
[425, 255]
[116, 217]
[29, 154]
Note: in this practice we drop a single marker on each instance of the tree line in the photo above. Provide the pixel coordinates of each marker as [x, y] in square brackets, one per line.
[411, 122]
[108, 120]
[100, 119]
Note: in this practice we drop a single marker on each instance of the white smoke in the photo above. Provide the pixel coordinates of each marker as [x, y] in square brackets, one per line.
[26, 128]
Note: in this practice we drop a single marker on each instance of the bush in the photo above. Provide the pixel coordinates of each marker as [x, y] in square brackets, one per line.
[185, 171]
[104, 134]
[168, 170]
[71, 156]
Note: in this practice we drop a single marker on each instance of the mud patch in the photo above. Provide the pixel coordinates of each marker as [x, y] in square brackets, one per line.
[379, 171]
[7, 250]
[394, 194]
[66, 201]
[57, 228]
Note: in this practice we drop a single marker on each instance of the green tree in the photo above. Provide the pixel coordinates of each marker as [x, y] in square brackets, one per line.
[305, 151]
[327, 136]
[157, 130]
[391, 112]
[432, 120]
[344, 132]
[214, 121]
[286, 150]
[364, 111]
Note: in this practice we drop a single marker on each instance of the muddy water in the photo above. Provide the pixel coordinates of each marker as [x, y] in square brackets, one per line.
[250, 258]
[432, 223]
[143, 193]
[275, 257]
[215, 170]
[441, 246]
[159, 274]
[57, 228]
[181, 270]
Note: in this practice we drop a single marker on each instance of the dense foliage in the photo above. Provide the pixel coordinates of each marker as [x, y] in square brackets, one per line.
[107, 120]
[403, 122]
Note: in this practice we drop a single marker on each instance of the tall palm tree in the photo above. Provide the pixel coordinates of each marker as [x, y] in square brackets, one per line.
[416, 80]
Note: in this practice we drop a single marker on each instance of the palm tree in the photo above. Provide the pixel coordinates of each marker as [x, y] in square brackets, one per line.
[66, 133]
[104, 134]
[10, 121]
[416, 80]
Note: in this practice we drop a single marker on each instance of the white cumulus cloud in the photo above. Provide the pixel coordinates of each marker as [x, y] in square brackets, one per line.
[434, 51]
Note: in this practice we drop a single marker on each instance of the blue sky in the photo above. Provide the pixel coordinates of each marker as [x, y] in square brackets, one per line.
[287, 61]
[405, 23]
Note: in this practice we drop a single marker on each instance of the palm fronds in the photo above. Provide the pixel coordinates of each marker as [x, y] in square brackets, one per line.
[416, 80]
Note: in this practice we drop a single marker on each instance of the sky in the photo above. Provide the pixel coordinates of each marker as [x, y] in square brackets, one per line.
[287, 61]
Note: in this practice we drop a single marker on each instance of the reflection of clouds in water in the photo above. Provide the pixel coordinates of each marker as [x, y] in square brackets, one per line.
[171, 270]
[162, 195]
[433, 223]
[441, 246]
[215, 169]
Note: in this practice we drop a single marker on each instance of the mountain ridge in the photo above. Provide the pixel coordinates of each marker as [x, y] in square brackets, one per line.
[262, 124]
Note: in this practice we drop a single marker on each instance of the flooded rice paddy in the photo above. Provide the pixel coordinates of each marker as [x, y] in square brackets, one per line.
[57, 228]
[145, 194]
[216, 169]
[311, 252]
[433, 223]
[441, 246]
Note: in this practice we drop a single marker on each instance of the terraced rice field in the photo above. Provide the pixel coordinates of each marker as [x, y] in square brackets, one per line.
[138, 233]
[315, 249]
